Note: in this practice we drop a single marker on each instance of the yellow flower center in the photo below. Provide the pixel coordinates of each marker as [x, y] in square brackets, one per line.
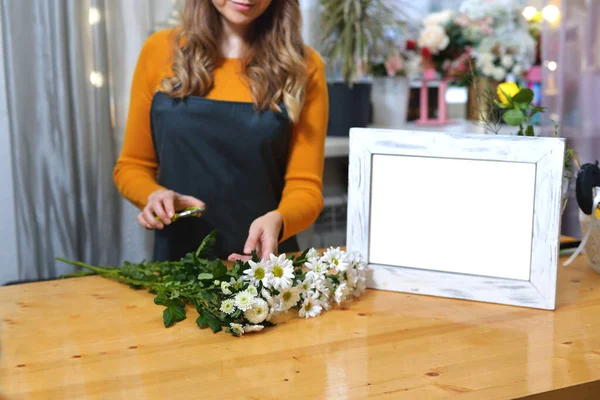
[287, 296]
[277, 271]
[259, 274]
[335, 261]
[308, 306]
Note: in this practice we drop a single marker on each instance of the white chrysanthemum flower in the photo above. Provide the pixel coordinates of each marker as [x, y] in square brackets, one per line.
[517, 70]
[311, 307]
[225, 287]
[244, 300]
[351, 276]
[258, 312]
[281, 272]
[324, 287]
[253, 328]
[258, 272]
[325, 302]
[336, 258]
[488, 70]
[252, 290]
[499, 74]
[507, 61]
[341, 293]
[228, 306]
[361, 286]
[273, 304]
[306, 287]
[237, 329]
[318, 269]
[485, 59]
[216, 282]
[312, 254]
[288, 298]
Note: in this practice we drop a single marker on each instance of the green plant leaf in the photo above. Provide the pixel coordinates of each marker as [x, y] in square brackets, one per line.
[529, 131]
[205, 320]
[513, 117]
[172, 314]
[525, 96]
[205, 276]
[501, 105]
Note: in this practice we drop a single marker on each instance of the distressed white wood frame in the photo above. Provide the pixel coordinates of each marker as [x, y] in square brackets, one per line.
[548, 156]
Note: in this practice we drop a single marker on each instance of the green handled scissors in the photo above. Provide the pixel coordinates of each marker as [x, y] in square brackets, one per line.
[187, 212]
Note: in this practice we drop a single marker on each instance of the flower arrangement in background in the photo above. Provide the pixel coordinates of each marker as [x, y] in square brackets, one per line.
[504, 45]
[400, 57]
[246, 297]
[444, 46]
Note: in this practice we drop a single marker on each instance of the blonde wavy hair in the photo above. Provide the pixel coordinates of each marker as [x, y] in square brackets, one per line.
[274, 64]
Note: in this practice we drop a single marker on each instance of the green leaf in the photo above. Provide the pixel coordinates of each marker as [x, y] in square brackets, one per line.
[172, 314]
[220, 270]
[255, 256]
[513, 117]
[501, 105]
[208, 243]
[205, 276]
[161, 300]
[205, 320]
[525, 96]
[529, 131]
[267, 324]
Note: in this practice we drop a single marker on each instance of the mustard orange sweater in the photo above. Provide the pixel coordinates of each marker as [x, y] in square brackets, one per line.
[135, 173]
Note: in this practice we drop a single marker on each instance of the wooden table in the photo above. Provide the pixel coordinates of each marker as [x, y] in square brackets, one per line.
[90, 338]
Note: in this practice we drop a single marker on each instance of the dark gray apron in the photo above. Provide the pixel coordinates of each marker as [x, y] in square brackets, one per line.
[226, 154]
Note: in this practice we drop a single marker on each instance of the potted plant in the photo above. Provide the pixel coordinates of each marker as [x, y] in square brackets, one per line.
[351, 33]
[391, 84]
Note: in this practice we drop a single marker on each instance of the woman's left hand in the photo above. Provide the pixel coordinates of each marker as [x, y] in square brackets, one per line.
[263, 237]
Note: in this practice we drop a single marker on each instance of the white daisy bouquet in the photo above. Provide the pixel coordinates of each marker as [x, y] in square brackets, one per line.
[247, 296]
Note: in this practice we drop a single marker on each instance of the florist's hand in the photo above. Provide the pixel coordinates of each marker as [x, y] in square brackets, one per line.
[163, 203]
[263, 237]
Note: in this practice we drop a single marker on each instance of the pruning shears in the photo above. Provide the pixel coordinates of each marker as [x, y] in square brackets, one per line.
[185, 213]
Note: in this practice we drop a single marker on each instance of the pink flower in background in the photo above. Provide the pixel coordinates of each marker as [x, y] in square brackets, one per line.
[394, 64]
[446, 65]
[462, 20]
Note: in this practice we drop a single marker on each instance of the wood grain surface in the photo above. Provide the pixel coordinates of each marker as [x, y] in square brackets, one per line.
[91, 338]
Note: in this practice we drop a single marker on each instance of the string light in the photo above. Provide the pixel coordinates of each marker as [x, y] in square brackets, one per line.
[529, 12]
[94, 16]
[97, 79]
[552, 65]
[551, 13]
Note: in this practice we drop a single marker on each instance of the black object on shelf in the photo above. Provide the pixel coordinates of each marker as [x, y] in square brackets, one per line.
[349, 107]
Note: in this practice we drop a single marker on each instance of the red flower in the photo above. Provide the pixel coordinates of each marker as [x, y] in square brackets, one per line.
[411, 45]
[425, 52]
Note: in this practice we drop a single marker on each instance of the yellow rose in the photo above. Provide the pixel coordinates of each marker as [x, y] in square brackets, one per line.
[510, 88]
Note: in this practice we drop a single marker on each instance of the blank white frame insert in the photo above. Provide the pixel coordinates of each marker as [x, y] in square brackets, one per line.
[466, 216]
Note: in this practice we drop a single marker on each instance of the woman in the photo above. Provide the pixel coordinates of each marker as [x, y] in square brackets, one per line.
[228, 112]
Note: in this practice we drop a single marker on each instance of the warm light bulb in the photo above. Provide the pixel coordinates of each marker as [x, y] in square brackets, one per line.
[551, 13]
[529, 12]
[552, 65]
[94, 16]
[96, 79]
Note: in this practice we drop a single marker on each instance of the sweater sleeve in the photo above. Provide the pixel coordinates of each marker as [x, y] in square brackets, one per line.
[302, 198]
[135, 173]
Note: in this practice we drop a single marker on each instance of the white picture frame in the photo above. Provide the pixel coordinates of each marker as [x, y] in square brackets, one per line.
[392, 170]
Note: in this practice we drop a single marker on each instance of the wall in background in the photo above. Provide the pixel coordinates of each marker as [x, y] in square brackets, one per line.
[8, 233]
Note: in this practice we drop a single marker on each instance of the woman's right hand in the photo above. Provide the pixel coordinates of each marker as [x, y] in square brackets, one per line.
[163, 203]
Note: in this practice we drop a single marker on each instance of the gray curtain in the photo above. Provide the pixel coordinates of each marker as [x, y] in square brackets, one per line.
[61, 134]
[571, 91]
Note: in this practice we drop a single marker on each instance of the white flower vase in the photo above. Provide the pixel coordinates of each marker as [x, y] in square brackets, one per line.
[390, 101]
[592, 246]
